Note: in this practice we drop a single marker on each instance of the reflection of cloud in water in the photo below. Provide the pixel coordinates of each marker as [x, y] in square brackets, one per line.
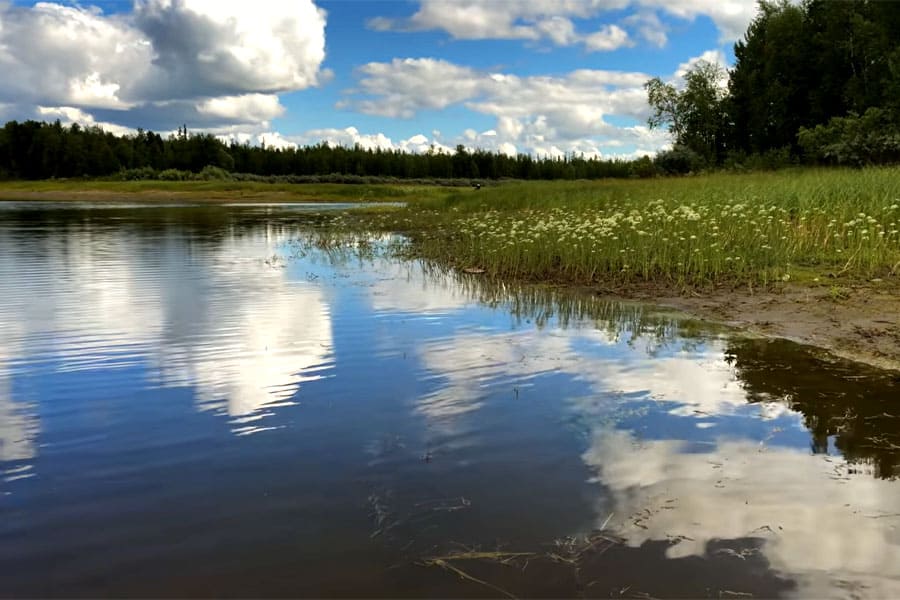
[698, 382]
[215, 318]
[18, 427]
[819, 523]
[408, 288]
[268, 343]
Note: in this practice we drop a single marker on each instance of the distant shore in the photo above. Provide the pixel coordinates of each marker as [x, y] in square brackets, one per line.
[209, 191]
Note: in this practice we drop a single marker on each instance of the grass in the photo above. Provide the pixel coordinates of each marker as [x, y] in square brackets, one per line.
[756, 229]
[217, 191]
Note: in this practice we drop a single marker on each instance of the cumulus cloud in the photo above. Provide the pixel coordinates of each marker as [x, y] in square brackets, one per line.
[225, 46]
[248, 107]
[546, 115]
[350, 137]
[608, 38]
[532, 20]
[67, 115]
[405, 86]
[219, 62]
[553, 20]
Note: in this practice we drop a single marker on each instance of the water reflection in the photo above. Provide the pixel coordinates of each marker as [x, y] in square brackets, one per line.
[210, 311]
[820, 524]
[406, 411]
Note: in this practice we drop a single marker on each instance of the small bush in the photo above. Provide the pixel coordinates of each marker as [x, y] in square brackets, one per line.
[139, 174]
[211, 173]
[174, 175]
[680, 160]
[855, 140]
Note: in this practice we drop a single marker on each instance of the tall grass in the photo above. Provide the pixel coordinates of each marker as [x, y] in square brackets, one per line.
[754, 228]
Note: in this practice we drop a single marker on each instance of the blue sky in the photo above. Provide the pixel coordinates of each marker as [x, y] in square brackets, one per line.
[540, 76]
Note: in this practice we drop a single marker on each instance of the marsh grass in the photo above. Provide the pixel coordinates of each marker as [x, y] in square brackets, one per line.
[724, 228]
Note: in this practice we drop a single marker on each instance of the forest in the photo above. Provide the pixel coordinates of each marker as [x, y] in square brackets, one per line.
[816, 83]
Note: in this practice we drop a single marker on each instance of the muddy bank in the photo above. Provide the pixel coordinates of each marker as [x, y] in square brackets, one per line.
[858, 322]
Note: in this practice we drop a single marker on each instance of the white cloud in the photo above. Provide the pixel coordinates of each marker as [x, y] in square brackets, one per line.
[606, 39]
[531, 20]
[68, 115]
[546, 115]
[231, 46]
[732, 17]
[244, 108]
[403, 87]
[649, 27]
[208, 62]
[552, 20]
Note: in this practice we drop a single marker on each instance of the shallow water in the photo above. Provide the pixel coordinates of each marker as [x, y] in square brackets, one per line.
[192, 402]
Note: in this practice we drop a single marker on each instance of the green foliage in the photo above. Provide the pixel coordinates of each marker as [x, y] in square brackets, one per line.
[174, 175]
[644, 168]
[213, 173]
[694, 115]
[680, 160]
[857, 140]
[800, 66]
[137, 174]
[802, 75]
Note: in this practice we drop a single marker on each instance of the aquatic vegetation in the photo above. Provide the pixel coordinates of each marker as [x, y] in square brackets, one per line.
[754, 229]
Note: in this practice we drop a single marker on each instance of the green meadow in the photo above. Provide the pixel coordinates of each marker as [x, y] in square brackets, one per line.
[759, 228]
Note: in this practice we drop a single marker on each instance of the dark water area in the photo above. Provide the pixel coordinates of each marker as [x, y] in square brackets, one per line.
[196, 402]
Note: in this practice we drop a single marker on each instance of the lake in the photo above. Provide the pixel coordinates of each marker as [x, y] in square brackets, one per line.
[203, 401]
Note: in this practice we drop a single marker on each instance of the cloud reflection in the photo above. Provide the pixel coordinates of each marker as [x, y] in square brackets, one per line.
[696, 382]
[821, 524]
[215, 317]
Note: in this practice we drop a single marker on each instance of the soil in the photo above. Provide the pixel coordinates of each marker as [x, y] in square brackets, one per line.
[859, 322]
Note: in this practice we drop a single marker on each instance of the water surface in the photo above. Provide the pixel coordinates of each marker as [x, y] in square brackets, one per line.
[195, 402]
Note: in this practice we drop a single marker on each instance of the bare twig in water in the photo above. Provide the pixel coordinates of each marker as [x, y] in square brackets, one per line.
[733, 594]
[439, 562]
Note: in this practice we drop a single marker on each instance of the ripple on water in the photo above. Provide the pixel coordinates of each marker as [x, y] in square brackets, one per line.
[183, 414]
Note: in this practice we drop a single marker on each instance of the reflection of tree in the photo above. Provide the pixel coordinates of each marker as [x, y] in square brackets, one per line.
[856, 404]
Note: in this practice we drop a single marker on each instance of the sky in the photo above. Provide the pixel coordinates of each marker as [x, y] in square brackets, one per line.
[545, 77]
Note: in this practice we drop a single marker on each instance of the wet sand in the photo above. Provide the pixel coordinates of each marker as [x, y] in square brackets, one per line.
[860, 322]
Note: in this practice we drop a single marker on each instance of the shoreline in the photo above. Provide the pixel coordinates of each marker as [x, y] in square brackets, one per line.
[160, 196]
[857, 321]
[861, 323]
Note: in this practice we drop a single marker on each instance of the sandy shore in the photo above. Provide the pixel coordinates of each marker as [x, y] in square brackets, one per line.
[858, 322]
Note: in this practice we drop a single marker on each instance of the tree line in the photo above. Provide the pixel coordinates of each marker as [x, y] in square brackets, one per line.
[816, 82]
[38, 150]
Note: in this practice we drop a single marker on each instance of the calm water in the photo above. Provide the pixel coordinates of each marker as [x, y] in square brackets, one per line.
[193, 403]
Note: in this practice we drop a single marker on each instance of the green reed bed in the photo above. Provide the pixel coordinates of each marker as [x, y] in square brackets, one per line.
[753, 228]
